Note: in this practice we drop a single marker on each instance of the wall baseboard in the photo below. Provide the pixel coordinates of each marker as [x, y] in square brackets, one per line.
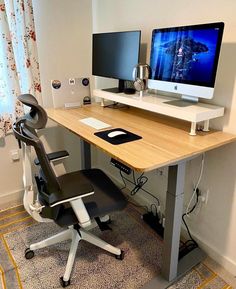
[11, 199]
[212, 252]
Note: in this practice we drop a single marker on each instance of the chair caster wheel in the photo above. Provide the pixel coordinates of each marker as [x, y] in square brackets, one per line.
[64, 283]
[109, 221]
[121, 256]
[29, 254]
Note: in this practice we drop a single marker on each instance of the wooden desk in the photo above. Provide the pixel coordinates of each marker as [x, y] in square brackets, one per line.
[165, 142]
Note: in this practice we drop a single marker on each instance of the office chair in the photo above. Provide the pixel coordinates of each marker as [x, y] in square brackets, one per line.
[73, 200]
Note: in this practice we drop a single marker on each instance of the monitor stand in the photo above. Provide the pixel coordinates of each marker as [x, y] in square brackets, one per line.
[119, 89]
[185, 101]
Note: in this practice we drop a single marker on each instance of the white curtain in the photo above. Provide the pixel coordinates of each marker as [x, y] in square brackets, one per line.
[19, 68]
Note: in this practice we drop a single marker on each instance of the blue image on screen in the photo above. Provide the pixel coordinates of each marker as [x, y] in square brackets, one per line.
[186, 56]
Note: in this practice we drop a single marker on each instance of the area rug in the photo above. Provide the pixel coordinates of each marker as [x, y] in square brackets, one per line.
[94, 268]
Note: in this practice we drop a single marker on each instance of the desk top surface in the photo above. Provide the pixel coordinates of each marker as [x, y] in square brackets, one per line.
[164, 140]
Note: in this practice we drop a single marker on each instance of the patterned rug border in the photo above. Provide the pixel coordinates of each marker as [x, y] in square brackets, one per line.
[13, 270]
[133, 212]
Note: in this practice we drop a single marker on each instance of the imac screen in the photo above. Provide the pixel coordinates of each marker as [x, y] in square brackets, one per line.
[186, 54]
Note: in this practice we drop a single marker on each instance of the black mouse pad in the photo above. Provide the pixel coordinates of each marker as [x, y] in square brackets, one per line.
[127, 137]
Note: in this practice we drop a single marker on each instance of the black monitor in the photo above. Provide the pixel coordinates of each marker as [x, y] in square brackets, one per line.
[115, 54]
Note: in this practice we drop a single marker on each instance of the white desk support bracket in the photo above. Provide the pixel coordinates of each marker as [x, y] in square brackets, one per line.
[193, 128]
[206, 125]
[102, 102]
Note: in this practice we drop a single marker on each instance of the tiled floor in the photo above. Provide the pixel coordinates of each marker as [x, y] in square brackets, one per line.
[228, 277]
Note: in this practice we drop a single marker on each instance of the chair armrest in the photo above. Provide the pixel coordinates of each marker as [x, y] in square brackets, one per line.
[66, 196]
[54, 156]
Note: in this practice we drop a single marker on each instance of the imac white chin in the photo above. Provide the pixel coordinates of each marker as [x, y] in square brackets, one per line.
[187, 91]
[184, 59]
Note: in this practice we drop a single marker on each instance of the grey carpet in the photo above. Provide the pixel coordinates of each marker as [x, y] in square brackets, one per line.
[95, 268]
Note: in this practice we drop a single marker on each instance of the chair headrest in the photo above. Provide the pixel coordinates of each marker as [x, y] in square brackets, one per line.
[36, 118]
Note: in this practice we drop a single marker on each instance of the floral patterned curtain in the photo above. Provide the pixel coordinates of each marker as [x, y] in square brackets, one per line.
[19, 68]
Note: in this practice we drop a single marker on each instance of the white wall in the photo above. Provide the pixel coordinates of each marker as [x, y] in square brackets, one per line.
[10, 174]
[215, 223]
[63, 30]
[64, 35]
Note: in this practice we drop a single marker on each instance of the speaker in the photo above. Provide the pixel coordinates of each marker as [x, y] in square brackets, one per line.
[141, 74]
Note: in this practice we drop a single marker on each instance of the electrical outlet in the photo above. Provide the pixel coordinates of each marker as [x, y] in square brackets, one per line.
[15, 156]
[160, 172]
[203, 197]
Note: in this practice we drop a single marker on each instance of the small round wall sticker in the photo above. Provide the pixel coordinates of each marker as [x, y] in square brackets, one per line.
[56, 84]
[85, 81]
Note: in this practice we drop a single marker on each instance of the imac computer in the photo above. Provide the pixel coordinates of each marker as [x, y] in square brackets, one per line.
[184, 60]
[115, 55]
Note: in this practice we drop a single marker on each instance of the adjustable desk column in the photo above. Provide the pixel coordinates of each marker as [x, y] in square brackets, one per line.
[172, 268]
[174, 208]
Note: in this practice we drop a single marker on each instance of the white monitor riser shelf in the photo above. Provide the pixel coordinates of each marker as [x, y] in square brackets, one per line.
[194, 113]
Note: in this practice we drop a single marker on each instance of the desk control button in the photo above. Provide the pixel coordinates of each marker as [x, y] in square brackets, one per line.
[121, 166]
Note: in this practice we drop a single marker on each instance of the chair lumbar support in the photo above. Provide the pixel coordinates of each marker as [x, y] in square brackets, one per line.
[74, 200]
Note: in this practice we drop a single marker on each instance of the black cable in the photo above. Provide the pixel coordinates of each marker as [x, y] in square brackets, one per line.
[139, 187]
[127, 198]
[195, 244]
[122, 177]
[141, 181]
[134, 183]
[134, 178]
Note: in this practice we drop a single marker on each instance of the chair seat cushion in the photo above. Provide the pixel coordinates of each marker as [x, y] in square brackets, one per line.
[107, 196]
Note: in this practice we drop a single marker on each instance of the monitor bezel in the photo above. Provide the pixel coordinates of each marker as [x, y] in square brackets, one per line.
[114, 33]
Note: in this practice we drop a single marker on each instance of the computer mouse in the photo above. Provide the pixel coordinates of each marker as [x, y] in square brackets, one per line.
[116, 134]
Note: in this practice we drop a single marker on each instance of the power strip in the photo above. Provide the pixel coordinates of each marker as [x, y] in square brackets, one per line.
[153, 222]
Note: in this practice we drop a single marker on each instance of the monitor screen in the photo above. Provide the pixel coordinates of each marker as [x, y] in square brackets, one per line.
[188, 56]
[115, 54]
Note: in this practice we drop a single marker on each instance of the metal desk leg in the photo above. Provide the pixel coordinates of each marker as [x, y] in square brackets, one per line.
[172, 269]
[173, 214]
[85, 152]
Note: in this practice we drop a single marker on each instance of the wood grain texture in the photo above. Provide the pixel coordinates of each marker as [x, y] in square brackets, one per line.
[164, 140]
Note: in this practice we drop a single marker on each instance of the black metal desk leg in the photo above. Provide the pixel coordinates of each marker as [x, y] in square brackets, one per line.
[85, 152]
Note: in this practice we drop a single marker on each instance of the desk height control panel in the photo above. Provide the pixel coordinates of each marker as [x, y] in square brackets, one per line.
[121, 166]
[194, 113]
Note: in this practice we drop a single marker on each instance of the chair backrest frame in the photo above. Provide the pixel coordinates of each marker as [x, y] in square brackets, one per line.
[25, 131]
